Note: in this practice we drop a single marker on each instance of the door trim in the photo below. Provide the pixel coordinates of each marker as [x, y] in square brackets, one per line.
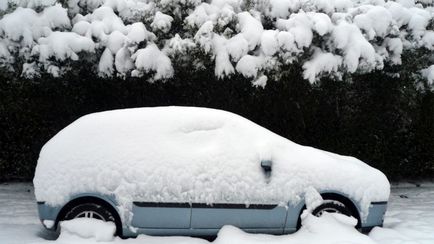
[204, 205]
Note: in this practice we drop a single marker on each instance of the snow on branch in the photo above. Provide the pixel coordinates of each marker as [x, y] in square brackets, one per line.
[254, 38]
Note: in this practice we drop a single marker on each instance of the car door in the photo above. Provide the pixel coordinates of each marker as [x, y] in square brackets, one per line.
[252, 218]
[268, 218]
[152, 215]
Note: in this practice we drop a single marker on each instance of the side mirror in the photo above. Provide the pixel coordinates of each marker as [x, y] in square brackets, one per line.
[266, 165]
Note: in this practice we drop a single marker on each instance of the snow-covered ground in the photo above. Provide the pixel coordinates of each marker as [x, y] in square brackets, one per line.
[409, 220]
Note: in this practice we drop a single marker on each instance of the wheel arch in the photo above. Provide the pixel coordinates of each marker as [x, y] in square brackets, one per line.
[104, 201]
[346, 201]
[329, 195]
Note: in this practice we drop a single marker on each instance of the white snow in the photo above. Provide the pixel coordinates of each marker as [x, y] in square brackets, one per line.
[251, 29]
[350, 40]
[249, 65]
[3, 5]
[4, 52]
[199, 16]
[375, 22]
[321, 23]
[105, 66]
[191, 155]
[428, 73]
[428, 40]
[108, 17]
[313, 200]
[152, 59]
[328, 229]
[410, 216]
[82, 28]
[287, 42]
[269, 43]
[162, 22]
[137, 33]
[419, 21]
[237, 47]
[116, 40]
[30, 70]
[87, 228]
[321, 62]
[31, 3]
[299, 26]
[204, 36]
[179, 45]
[395, 46]
[123, 61]
[223, 65]
[281, 9]
[48, 223]
[409, 220]
[62, 45]
[26, 26]
[260, 81]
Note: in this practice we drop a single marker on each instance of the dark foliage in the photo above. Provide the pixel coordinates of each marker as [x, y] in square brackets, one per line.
[386, 122]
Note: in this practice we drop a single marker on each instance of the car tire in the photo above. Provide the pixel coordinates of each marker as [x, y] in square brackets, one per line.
[90, 210]
[93, 210]
[332, 206]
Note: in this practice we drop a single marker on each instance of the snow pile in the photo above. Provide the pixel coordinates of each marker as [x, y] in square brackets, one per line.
[192, 155]
[87, 228]
[312, 200]
[327, 38]
[327, 229]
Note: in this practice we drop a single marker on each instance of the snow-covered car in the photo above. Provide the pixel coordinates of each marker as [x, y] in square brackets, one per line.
[190, 171]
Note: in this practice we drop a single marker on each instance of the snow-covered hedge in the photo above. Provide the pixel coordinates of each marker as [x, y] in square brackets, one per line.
[255, 38]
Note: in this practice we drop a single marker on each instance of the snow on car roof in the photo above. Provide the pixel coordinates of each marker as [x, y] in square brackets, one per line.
[189, 154]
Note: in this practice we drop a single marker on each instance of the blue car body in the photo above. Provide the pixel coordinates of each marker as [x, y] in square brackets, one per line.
[198, 219]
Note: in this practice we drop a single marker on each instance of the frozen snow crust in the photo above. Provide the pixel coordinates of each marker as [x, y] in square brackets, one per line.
[146, 37]
[187, 154]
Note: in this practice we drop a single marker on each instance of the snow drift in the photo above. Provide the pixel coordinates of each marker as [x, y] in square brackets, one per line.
[327, 229]
[327, 38]
[187, 154]
[87, 228]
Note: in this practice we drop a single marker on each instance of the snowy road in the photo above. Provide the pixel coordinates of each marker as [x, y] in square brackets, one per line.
[409, 220]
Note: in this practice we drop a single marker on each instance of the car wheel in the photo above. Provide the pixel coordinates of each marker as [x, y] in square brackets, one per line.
[90, 210]
[332, 206]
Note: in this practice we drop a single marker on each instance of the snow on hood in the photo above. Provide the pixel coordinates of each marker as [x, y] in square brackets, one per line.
[187, 154]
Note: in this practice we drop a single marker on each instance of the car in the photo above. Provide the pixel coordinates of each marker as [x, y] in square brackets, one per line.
[190, 171]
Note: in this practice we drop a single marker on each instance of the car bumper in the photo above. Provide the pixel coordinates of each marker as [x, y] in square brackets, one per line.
[48, 215]
[377, 210]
